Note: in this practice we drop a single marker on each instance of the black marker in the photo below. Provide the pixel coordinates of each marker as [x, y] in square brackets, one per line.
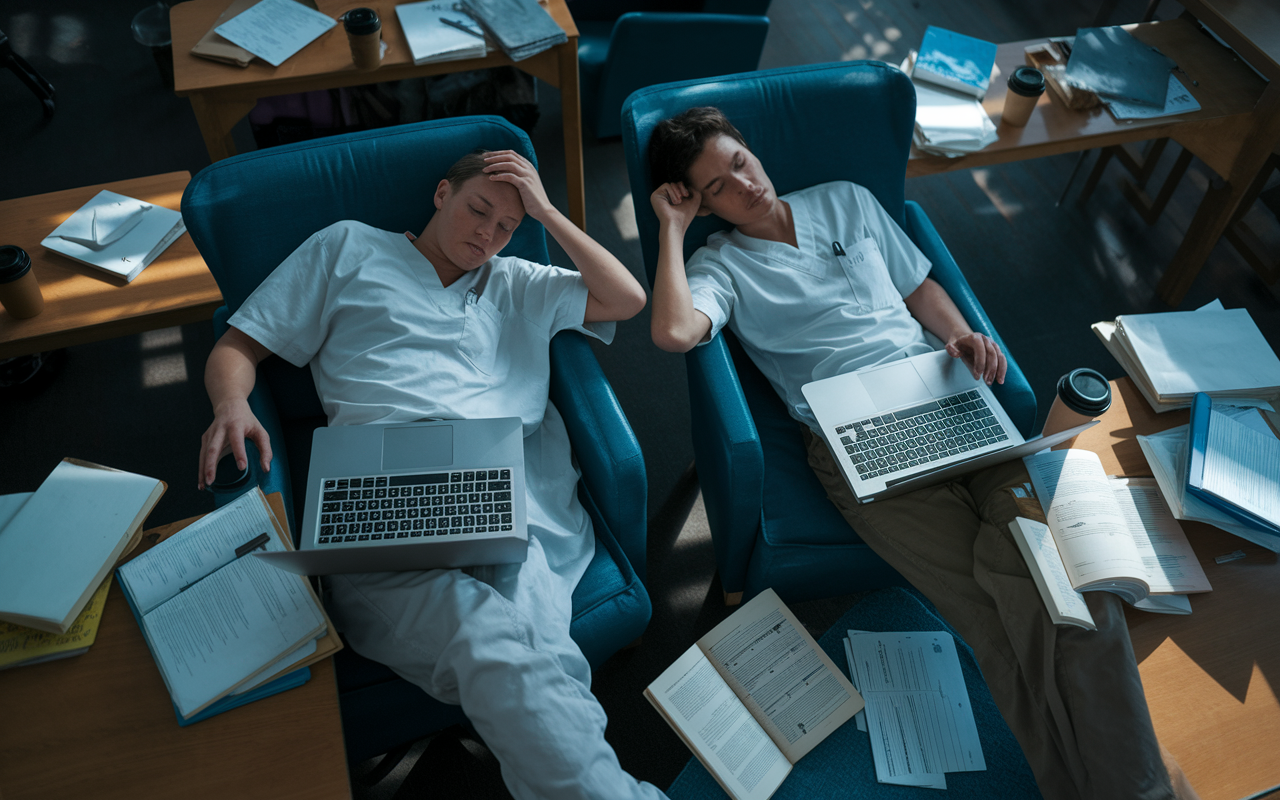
[837, 249]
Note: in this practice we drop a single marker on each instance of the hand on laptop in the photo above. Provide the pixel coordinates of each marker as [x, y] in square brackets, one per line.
[981, 354]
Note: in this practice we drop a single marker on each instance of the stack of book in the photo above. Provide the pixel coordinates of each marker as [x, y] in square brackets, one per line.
[951, 74]
[61, 541]
[1172, 356]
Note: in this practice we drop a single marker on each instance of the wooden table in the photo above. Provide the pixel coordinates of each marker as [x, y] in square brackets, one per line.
[1211, 679]
[1223, 133]
[221, 94]
[102, 725]
[82, 304]
[1252, 29]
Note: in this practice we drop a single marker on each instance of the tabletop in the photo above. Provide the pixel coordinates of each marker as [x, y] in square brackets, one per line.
[102, 725]
[1226, 90]
[1210, 678]
[328, 56]
[83, 304]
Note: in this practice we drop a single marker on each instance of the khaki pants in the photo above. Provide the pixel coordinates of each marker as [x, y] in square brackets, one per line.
[1073, 698]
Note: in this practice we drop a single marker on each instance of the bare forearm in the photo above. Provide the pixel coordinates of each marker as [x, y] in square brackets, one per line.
[232, 369]
[615, 294]
[936, 311]
[676, 326]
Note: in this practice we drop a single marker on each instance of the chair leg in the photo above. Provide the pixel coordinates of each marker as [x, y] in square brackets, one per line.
[1104, 156]
[1241, 235]
[732, 599]
[34, 80]
[1150, 210]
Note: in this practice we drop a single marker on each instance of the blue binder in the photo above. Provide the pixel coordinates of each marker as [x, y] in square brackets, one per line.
[1197, 453]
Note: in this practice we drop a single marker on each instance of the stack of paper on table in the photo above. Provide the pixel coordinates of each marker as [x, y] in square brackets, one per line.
[1172, 356]
[116, 234]
[1103, 534]
[753, 696]
[1234, 467]
[63, 540]
[274, 30]
[431, 38]
[948, 123]
[225, 627]
[918, 713]
[1166, 454]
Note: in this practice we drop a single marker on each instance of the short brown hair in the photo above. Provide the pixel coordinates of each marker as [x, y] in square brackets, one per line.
[467, 167]
[677, 142]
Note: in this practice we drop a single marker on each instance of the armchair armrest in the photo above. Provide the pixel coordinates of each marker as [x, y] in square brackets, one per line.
[260, 402]
[1015, 393]
[729, 458]
[606, 448]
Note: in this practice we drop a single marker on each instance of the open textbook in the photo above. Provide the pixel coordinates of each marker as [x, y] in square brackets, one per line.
[753, 696]
[1103, 534]
[1166, 454]
[220, 623]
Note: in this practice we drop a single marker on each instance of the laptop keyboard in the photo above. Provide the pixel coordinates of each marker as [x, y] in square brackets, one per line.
[919, 435]
[383, 508]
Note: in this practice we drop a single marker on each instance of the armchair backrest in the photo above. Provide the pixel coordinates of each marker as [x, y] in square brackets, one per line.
[247, 213]
[648, 48]
[808, 125]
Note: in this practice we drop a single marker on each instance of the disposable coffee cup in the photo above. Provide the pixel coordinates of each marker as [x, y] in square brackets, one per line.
[1026, 84]
[19, 291]
[1083, 395]
[364, 34]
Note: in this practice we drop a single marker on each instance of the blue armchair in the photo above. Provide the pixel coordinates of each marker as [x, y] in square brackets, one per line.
[642, 48]
[247, 213]
[771, 522]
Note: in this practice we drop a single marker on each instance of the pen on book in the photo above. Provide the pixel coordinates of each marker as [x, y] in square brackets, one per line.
[461, 26]
[241, 551]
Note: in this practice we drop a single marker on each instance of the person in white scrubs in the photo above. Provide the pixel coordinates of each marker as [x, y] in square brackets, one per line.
[822, 282]
[397, 328]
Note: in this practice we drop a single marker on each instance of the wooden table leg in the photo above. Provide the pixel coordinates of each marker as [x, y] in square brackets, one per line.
[216, 118]
[571, 117]
[1219, 205]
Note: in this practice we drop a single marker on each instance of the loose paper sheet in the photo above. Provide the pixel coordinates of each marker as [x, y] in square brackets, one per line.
[918, 712]
[273, 30]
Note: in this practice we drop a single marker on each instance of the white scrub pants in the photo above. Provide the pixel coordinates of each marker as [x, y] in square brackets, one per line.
[496, 643]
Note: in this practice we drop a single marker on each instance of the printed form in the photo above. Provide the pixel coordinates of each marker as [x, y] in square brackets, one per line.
[918, 713]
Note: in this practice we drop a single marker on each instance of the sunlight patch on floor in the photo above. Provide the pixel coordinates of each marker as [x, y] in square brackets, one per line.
[163, 370]
[624, 218]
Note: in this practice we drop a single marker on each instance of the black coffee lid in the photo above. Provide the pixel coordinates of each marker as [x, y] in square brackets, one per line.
[360, 21]
[1027, 81]
[1085, 392]
[14, 263]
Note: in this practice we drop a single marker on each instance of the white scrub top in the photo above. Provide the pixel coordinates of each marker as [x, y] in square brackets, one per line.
[388, 343]
[831, 306]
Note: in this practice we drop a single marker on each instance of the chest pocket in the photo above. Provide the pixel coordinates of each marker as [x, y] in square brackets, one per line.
[481, 329]
[868, 275]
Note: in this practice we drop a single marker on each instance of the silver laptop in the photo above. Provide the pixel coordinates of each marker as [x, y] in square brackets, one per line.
[421, 495]
[907, 424]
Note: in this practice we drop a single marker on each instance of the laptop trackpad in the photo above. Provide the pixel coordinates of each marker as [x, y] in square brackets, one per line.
[417, 446]
[895, 386]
